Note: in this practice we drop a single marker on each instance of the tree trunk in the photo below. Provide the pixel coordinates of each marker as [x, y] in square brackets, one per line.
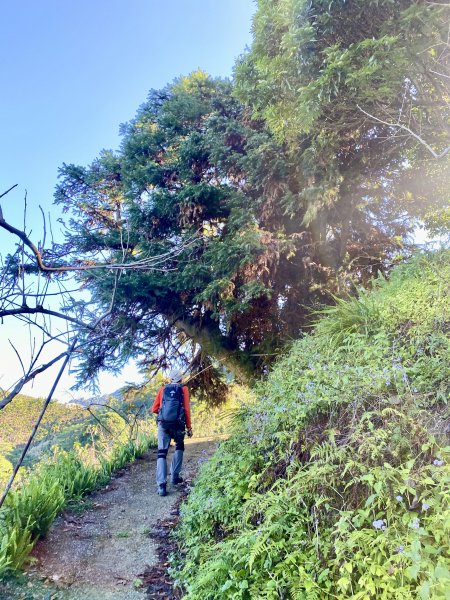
[216, 345]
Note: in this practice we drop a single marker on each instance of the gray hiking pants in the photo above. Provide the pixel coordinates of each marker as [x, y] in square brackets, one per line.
[164, 438]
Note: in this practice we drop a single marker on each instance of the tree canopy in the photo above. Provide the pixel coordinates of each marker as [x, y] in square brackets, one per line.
[346, 85]
[268, 194]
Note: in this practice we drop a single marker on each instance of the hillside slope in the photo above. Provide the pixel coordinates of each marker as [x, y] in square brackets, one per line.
[62, 425]
[335, 483]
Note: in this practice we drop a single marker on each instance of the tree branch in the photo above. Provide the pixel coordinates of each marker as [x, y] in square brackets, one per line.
[31, 375]
[7, 192]
[112, 409]
[98, 421]
[142, 264]
[27, 310]
[38, 422]
[440, 74]
[410, 131]
[18, 356]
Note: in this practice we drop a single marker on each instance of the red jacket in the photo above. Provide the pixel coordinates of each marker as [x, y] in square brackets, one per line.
[186, 404]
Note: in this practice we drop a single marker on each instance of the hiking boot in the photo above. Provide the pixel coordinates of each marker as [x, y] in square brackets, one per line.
[162, 491]
[177, 480]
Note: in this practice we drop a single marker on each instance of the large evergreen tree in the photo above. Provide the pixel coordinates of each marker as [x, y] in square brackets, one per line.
[178, 187]
[263, 204]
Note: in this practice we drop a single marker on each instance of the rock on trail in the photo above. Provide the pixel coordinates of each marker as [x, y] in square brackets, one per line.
[100, 554]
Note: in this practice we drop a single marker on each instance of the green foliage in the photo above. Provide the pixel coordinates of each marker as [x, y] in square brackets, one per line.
[5, 465]
[261, 218]
[438, 221]
[312, 65]
[16, 545]
[74, 478]
[216, 420]
[33, 510]
[335, 483]
[165, 194]
[333, 81]
[63, 424]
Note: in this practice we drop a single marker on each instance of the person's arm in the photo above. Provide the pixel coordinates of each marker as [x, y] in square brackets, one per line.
[157, 402]
[187, 407]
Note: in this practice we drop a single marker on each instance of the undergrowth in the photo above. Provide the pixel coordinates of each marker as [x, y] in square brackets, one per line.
[335, 483]
[61, 479]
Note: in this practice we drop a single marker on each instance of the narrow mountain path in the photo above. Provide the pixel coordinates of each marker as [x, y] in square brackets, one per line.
[102, 553]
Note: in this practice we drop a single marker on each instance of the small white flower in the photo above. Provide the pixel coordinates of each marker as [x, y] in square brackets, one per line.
[379, 524]
[437, 462]
[425, 507]
[399, 498]
[415, 523]
[401, 549]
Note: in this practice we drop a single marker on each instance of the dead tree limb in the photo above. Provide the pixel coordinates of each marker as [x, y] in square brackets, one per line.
[437, 155]
[29, 377]
[147, 263]
[28, 310]
[18, 356]
[99, 421]
[4, 194]
[112, 409]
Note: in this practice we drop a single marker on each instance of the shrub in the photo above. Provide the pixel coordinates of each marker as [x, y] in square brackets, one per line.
[16, 544]
[36, 505]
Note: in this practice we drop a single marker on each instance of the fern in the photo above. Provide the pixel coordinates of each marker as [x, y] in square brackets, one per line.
[335, 484]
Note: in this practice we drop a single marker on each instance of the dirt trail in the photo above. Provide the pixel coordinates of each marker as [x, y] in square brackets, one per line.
[100, 554]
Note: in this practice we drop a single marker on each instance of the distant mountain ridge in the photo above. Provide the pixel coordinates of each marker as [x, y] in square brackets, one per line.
[103, 399]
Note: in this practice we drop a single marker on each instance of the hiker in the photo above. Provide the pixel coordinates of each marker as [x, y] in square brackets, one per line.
[174, 415]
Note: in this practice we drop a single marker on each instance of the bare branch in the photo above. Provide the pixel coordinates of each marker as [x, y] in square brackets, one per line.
[44, 226]
[111, 305]
[29, 377]
[440, 74]
[99, 421]
[38, 422]
[48, 294]
[7, 191]
[28, 310]
[51, 337]
[143, 264]
[410, 131]
[112, 409]
[18, 356]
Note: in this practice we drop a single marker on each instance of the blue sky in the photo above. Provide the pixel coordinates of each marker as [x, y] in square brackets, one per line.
[73, 70]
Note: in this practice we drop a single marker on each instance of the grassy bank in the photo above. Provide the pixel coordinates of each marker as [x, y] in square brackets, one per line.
[62, 478]
[335, 483]
[76, 452]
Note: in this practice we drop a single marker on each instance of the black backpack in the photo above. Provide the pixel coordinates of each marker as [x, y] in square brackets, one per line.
[171, 413]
